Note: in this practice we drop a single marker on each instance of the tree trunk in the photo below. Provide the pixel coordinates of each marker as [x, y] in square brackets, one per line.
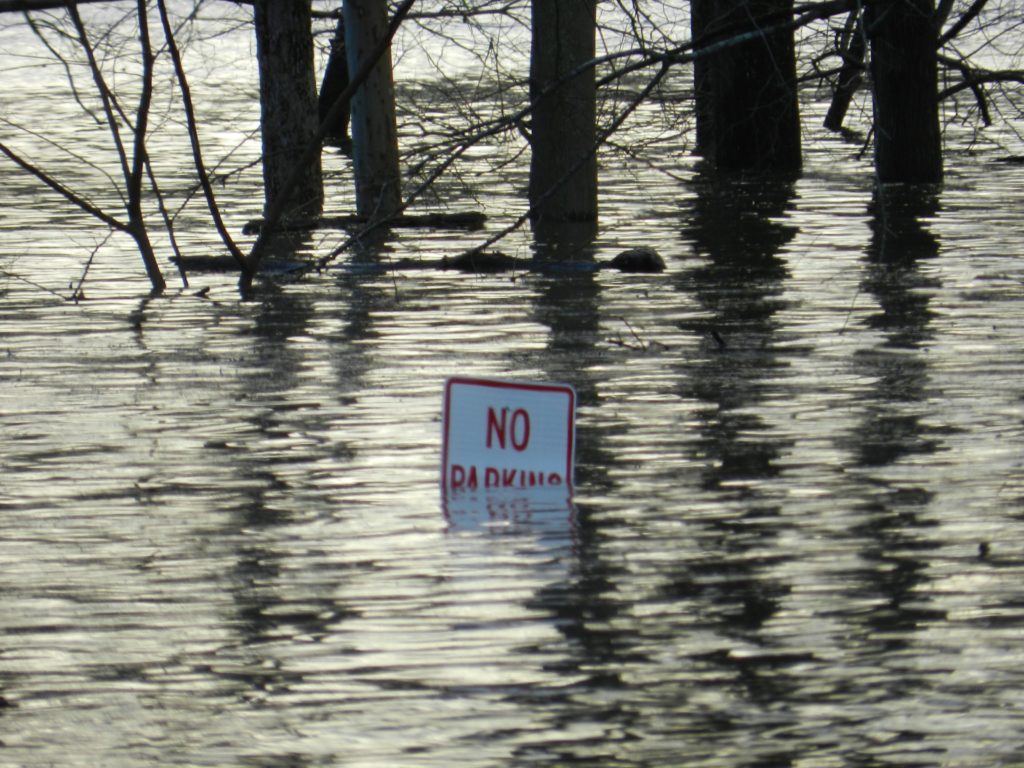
[563, 167]
[701, 13]
[904, 70]
[851, 74]
[141, 237]
[374, 128]
[755, 116]
[334, 84]
[288, 104]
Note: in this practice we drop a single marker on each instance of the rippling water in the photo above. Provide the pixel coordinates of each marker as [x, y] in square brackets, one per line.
[222, 542]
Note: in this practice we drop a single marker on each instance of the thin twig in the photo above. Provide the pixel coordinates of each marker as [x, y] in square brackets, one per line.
[106, 95]
[193, 135]
[59, 188]
[76, 293]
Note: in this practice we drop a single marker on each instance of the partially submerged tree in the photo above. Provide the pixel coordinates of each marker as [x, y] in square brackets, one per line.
[378, 178]
[289, 115]
[563, 98]
[904, 75]
[747, 91]
[851, 45]
[143, 199]
[333, 85]
[921, 58]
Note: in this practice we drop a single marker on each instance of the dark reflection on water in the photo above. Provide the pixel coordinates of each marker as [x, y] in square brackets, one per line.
[894, 522]
[736, 226]
[900, 241]
[581, 606]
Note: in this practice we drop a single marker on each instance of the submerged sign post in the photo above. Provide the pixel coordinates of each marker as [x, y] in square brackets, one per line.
[506, 435]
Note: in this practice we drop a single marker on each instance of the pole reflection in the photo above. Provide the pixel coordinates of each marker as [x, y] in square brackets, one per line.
[894, 433]
[738, 226]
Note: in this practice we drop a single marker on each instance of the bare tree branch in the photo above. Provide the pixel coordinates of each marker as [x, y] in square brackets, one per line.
[26, 6]
[60, 189]
[958, 27]
[106, 95]
[193, 135]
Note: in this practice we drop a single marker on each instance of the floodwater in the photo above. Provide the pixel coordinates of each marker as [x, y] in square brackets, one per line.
[797, 537]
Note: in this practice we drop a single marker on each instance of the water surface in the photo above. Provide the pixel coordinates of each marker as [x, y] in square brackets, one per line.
[222, 540]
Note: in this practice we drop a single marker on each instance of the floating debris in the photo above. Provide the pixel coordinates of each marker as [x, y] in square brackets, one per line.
[642, 260]
[482, 261]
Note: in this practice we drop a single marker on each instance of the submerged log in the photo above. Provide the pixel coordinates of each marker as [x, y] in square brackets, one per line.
[469, 220]
[641, 260]
[483, 261]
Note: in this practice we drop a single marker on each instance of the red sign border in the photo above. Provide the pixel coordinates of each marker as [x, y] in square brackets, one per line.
[531, 386]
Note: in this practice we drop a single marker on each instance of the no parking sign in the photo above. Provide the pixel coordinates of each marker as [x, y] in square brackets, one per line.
[508, 435]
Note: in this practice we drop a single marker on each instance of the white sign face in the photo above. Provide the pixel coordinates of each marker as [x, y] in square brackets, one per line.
[504, 434]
